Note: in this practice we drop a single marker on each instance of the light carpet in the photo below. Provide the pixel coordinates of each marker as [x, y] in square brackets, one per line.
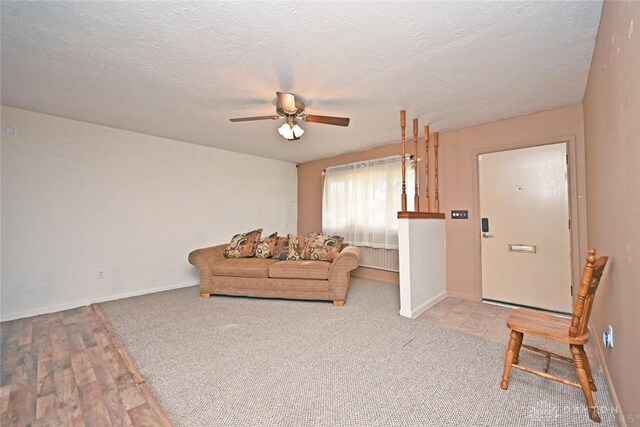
[230, 361]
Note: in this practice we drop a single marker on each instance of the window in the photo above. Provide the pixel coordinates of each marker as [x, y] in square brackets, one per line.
[361, 202]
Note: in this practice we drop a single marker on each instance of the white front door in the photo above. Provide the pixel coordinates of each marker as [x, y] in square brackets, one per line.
[524, 206]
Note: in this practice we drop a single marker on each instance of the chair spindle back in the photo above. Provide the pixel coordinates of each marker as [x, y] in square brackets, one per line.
[589, 283]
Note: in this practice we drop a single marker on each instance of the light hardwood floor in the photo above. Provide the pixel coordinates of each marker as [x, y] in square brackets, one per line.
[68, 369]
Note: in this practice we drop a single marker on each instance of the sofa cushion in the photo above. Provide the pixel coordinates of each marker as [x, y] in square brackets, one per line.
[243, 245]
[266, 247]
[301, 269]
[322, 247]
[243, 267]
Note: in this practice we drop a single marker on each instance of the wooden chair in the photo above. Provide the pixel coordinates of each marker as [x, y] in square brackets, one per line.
[572, 331]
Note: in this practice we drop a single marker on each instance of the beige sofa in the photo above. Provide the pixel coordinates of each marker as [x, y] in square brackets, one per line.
[271, 278]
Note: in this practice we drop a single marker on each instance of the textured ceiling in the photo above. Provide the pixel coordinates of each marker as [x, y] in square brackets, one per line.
[181, 69]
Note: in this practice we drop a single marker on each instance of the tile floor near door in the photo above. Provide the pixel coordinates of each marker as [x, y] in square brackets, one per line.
[489, 322]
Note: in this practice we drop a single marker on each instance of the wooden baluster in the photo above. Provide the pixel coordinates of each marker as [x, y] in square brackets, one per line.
[416, 175]
[426, 167]
[436, 137]
[403, 196]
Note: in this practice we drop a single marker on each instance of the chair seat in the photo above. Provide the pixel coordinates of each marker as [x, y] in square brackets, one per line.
[545, 325]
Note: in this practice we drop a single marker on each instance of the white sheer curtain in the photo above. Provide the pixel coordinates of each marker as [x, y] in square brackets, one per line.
[361, 201]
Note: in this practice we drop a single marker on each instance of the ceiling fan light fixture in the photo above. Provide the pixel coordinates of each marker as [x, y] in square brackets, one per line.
[297, 130]
[286, 131]
[290, 130]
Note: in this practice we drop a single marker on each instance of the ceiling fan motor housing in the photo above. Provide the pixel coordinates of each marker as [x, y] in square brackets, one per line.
[299, 110]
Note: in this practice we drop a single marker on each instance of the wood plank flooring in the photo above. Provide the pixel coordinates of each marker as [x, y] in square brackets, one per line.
[70, 369]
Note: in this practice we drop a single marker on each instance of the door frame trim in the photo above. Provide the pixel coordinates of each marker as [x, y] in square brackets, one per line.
[576, 226]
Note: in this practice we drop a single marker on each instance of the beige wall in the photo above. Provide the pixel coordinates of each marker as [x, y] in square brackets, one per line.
[612, 135]
[78, 198]
[458, 150]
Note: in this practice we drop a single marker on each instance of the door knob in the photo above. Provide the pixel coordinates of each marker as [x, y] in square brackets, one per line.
[487, 235]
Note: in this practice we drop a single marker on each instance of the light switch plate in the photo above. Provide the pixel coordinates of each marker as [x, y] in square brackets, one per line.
[459, 214]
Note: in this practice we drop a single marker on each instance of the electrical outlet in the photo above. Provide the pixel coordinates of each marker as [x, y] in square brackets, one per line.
[100, 275]
[607, 337]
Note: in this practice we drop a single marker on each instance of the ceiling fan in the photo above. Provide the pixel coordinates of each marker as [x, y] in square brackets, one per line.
[290, 109]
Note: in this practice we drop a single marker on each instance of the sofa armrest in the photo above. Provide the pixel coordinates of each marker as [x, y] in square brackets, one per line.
[348, 258]
[204, 259]
[339, 273]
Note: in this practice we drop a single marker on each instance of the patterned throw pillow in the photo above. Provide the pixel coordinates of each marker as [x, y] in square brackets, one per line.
[243, 245]
[322, 247]
[266, 247]
[296, 247]
[281, 250]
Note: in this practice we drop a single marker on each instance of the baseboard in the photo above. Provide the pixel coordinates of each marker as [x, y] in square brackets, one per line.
[605, 369]
[424, 306]
[461, 295]
[383, 276]
[82, 303]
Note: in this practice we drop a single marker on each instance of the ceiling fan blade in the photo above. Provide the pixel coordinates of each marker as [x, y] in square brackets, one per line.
[287, 102]
[248, 119]
[327, 120]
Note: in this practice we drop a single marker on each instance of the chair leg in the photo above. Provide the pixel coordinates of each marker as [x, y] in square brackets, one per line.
[514, 347]
[587, 368]
[577, 352]
[516, 354]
